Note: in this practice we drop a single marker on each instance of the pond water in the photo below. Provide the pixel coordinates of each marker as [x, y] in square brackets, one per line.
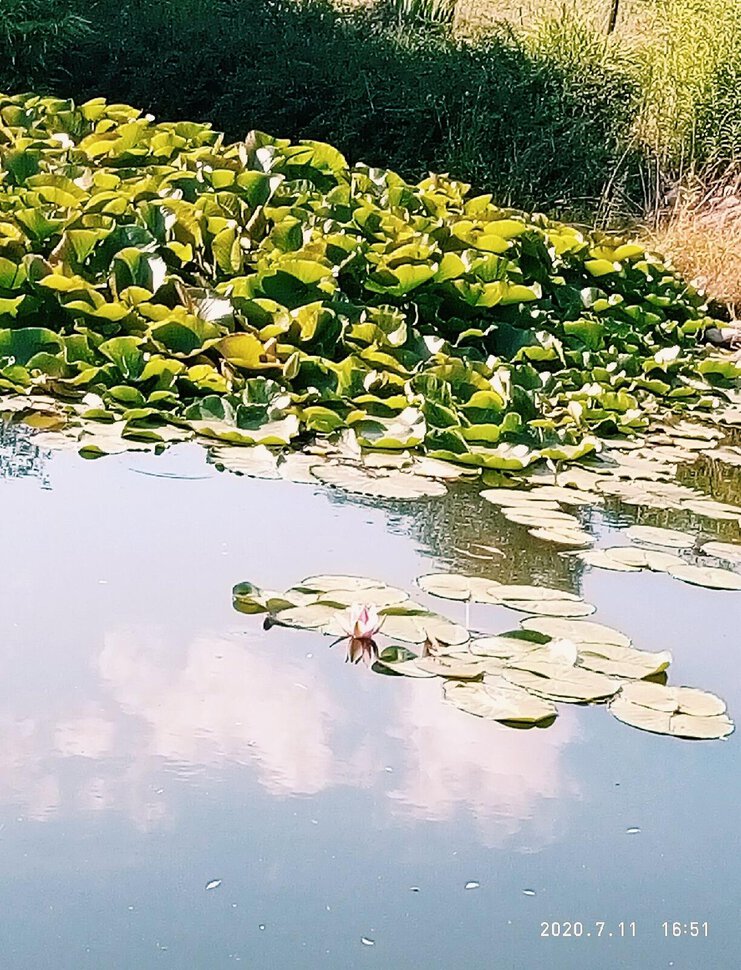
[156, 742]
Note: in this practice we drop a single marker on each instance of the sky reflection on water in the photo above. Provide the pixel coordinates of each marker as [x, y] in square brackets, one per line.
[155, 740]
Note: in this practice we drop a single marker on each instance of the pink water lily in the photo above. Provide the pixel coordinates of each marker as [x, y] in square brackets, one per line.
[361, 622]
[364, 650]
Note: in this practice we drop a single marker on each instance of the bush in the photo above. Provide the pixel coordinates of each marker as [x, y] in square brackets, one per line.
[536, 130]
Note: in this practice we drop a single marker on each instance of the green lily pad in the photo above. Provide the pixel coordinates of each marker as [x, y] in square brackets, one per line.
[499, 700]
[326, 582]
[453, 667]
[678, 711]
[565, 683]
[616, 661]
[315, 616]
[378, 596]
[455, 586]
[406, 668]
[580, 631]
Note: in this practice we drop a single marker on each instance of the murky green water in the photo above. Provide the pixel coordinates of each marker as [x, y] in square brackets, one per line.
[155, 741]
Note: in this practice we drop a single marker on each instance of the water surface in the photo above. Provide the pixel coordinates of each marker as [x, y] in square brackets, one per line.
[156, 741]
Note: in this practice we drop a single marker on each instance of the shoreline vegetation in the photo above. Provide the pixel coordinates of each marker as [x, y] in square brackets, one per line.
[535, 103]
[158, 282]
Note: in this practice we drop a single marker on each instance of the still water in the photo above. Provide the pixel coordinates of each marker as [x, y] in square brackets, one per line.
[156, 742]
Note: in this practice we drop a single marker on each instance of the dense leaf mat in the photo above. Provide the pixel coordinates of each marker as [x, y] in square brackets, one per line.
[268, 293]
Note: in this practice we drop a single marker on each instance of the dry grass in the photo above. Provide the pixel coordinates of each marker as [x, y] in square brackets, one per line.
[702, 235]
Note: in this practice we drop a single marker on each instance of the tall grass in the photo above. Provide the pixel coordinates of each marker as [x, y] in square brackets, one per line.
[34, 34]
[536, 131]
[690, 111]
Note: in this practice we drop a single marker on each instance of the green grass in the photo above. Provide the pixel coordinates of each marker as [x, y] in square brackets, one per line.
[542, 108]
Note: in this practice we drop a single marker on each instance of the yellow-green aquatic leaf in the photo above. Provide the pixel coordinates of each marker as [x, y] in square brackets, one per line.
[326, 582]
[549, 607]
[579, 631]
[660, 537]
[602, 559]
[563, 537]
[499, 700]
[375, 596]
[524, 592]
[565, 683]
[393, 485]
[706, 576]
[452, 667]
[531, 514]
[730, 551]
[625, 662]
[679, 711]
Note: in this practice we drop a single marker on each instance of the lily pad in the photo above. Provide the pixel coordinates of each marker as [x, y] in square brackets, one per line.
[392, 485]
[499, 700]
[453, 667]
[551, 607]
[547, 518]
[565, 683]
[524, 592]
[679, 711]
[455, 586]
[567, 496]
[563, 537]
[378, 596]
[730, 551]
[706, 576]
[580, 631]
[327, 582]
[625, 662]
[603, 560]
[654, 536]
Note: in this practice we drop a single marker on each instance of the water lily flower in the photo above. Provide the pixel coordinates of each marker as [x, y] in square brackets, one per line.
[361, 622]
[361, 649]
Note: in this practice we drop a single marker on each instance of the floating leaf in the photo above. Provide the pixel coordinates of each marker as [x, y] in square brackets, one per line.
[730, 551]
[580, 631]
[679, 711]
[602, 559]
[706, 576]
[617, 661]
[660, 537]
[563, 537]
[564, 683]
[499, 700]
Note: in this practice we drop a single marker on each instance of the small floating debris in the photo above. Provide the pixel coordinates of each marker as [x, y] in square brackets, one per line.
[414, 889]
[472, 885]
[528, 892]
[366, 941]
[633, 830]
[213, 884]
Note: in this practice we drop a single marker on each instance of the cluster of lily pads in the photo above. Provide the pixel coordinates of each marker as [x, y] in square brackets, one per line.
[517, 677]
[157, 283]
